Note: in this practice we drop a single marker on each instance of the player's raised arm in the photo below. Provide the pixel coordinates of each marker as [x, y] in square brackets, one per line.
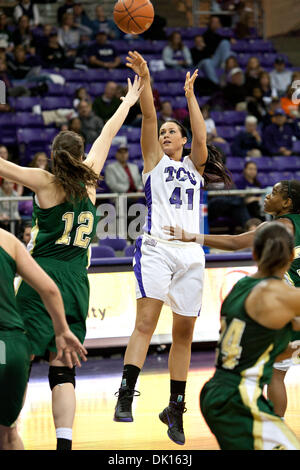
[151, 149]
[66, 342]
[199, 150]
[32, 178]
[100, 148]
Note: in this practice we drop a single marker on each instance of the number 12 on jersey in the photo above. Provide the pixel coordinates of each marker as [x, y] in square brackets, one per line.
[177, 199]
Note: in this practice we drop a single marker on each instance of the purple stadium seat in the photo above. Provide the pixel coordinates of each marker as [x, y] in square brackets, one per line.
[286, 163]
[162, 88]
[117, 244]
[264, 180]
[263, 163]
[24, 103]
[29, 120]
[73, 75]
[224, 147]
[228, 118]
[55, 89]
[119, 75]
[96, 89]
[7, 129]
[129, 251]
[235, 163]
[30, 136]
[296, 147]
[97, 75]
[140, 163]
[179, 102]
[169, 75]
[260, 45]
[176, 89]
[227, 133]
[103, 252]
[133, 134]
[25, 208]
[53, 102]
[134, 151]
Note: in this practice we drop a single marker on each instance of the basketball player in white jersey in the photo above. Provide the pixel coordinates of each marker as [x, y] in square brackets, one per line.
[165, 271]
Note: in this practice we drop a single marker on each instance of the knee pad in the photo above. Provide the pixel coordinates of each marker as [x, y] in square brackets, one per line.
[61, 375]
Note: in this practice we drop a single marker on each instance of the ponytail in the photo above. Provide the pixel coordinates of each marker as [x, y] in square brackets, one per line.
[68, 169]
[273, 246]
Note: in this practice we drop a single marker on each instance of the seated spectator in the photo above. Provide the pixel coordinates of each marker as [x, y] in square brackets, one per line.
[273, 106]
[20, 66]
[69, 34]
[40, 40]
[211, 131]
[235, 92]
[40, 160]
[105, 105]
[167, 113]
[217, 49]
[54, 54]
[256, 105]
[67, 7]
[265, 85]
[8, 210]
[176, 54]
[6, 156]
[121, 176]
[5, 33]
[248, 143]
[102, 53]
[10, 89]
[22, 35]
[74, 125]
[198, 51]
[249, 180]
[230, 64]
[104, 24]
[280, 76]
[81, 18]
[156, 32]
[30, 9]
[81, 94]
[278, 136]
[91, 124]
[253, 71]
[289, 105]
[26, 233]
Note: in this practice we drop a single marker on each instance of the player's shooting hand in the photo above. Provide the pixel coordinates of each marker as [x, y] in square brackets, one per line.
[137, 63]
[189, 83]
[69, 348]
[134, 91]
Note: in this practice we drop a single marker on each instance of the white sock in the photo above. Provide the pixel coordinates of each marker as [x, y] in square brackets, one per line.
[64, 433]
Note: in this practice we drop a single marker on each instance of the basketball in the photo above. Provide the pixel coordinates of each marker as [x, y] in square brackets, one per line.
[133, 16]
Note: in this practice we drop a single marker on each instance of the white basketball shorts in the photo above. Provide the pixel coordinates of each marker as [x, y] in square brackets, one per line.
[171, 272]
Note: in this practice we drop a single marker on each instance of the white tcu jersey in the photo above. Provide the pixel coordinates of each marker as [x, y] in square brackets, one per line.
[172, 191]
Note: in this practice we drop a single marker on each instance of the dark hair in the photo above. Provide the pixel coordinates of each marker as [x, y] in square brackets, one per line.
[273, 245]
[291, 189]
[181, 127]
[67, 167]
[171, 37]
[255, 181]
[35, 158]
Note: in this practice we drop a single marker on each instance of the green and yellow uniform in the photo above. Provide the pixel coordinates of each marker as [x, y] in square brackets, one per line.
[60, 244]
[14, 346]
[232, 401]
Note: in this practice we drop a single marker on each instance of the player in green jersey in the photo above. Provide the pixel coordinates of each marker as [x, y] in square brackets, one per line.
[64, 222]
[257, 319]
[14, 344]
[284, 204]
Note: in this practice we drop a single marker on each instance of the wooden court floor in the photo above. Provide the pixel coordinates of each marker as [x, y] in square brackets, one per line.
[94, 428]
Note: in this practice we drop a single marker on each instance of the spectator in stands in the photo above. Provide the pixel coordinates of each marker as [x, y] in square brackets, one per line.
[40, 39]
[67, 7]
[22, 35]
[273, 106]
[278, 136]
[69, 34]
[105, 105]
[121, 176]
[54, 54]
[40, 160]
[253, 71]
[248, 143]
[212, 134]
[91, 124]
[74, 125]
[217, 48]
[156, 32]
[11, 90]
[256, 105]
[104, 24]
[230, 64]
[249, 180]
[175, 54]
[268, 92]
[19, 66]
[103, 54]
[30, 9]
[235, 92]
[81, 18]
[198, 51]
[5, 33]
[280, 76]
[8, 210]
[26, 234]
[81, 94]
[167, 113]
[6, 156]
[289, 105]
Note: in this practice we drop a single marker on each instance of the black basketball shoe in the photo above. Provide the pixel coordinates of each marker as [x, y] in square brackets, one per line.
[172, 417]
[123, 407]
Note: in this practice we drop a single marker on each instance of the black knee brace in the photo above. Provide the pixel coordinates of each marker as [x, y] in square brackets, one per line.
[61, 375]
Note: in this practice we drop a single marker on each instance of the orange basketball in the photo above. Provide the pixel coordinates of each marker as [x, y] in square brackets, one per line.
[133, 16]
